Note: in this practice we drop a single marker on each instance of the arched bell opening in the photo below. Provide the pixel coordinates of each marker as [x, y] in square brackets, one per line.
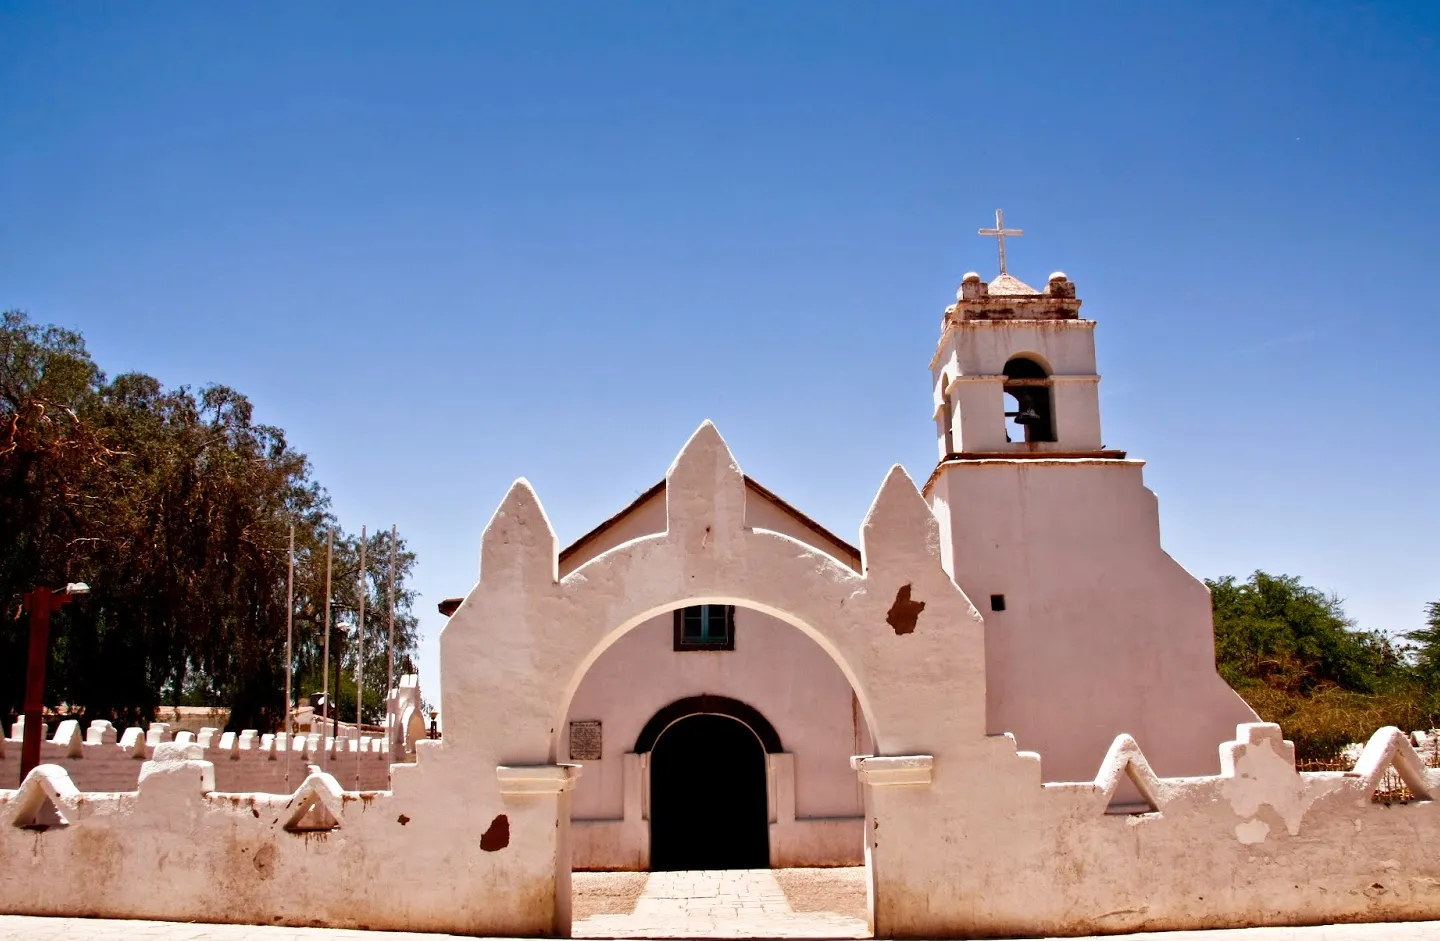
[1029, 404]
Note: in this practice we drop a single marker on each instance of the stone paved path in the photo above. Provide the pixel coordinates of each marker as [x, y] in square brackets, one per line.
[731, 903]
[24, 928]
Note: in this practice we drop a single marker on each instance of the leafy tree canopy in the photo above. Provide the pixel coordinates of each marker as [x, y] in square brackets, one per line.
[1291, 652]
[175, 506]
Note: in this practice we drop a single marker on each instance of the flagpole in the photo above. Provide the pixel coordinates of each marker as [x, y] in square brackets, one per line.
[390, 614]
[360, 658]
[289, 653]
[325, 656]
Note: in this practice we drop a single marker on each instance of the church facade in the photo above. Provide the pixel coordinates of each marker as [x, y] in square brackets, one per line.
[1002, 699]
[716, 735]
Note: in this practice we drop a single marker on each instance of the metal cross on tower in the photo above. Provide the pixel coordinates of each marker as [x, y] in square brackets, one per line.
[999, 232]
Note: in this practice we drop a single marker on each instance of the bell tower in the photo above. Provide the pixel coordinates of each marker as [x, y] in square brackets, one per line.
[1091, 629]
[1014, 371]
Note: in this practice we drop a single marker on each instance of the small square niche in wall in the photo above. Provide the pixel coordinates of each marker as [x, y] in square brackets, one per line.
[997, 602]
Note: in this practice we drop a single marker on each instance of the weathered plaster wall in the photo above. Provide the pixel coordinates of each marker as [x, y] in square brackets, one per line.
[776, 670]
[1103, 633]
[962, 836]
[984, 849]
[178, 850]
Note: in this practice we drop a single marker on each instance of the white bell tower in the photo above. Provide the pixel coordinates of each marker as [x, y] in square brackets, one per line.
[1014, 371]
[1091, 629]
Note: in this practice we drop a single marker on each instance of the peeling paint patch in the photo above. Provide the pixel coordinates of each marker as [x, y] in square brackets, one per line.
[498, 836]
[1264, 776]
[904, 612]
[1252, 831]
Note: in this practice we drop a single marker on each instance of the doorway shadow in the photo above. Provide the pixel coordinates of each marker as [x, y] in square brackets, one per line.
[708, 796]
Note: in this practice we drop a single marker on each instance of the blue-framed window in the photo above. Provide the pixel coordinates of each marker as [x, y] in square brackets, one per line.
[705, 627]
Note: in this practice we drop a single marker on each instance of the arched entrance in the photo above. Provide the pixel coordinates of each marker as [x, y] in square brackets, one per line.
[708, 806]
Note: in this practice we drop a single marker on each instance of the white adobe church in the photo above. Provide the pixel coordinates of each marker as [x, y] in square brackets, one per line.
[719, 736]
[1003, 701]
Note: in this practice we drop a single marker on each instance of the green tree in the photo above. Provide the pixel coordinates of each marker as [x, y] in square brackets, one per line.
[175, 506]
[1291, 652]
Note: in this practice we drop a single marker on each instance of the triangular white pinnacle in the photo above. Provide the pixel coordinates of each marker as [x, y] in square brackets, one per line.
[705, 493]
[43, 798]
[317, 805]
[1125, 758]
[899, 525]
[519, 539]
[1390, 748]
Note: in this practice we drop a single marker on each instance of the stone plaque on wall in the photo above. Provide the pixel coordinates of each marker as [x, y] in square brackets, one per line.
[585, 740]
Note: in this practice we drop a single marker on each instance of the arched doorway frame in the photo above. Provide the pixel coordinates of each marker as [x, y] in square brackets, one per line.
[906, 638]
[709, 705]
[755, 726]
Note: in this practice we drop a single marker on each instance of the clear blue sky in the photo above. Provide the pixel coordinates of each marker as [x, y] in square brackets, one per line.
[450, 244]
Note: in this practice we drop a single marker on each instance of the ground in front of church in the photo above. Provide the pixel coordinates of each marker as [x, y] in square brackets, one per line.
[755, 903]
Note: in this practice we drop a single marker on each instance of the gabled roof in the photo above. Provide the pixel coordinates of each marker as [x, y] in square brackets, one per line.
[852, 554]
[848, 554]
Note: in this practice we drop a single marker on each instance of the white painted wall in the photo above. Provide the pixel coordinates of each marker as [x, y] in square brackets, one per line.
[774, 668]
[1103, 632]
[962, 837]
[968, 373]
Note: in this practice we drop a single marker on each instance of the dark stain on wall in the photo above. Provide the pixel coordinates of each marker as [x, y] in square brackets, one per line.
[904, 612]
[498, 836]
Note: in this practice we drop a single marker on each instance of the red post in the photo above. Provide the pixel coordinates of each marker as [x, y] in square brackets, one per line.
[40, 602]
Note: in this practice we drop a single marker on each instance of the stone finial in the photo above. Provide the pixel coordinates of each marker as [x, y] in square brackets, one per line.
[705, 494]
[519, 540]
[1060, 286]
[972, 288]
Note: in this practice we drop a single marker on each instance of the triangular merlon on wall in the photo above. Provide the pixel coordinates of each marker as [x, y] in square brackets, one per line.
[317, 804]
[45, 787]
[1125, 758]
[1390, 747]
[899, 527]
[519, 542]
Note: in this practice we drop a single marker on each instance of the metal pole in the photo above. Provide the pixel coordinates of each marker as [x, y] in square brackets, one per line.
[325, 657]
[289, 655]
[39, 602]
[360, 657]
[390, 613]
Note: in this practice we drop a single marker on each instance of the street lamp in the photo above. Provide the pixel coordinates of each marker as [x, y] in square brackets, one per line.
[40, 603]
